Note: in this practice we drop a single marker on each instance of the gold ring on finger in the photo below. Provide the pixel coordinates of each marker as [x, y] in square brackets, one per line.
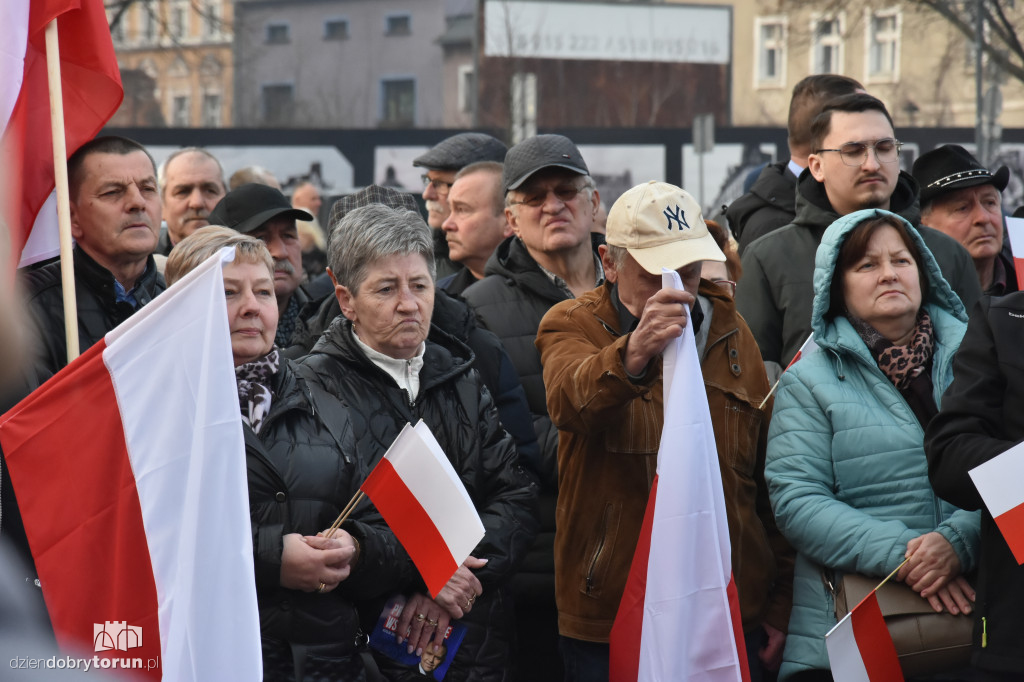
[420, 617]
[322, 588]
[432, 623]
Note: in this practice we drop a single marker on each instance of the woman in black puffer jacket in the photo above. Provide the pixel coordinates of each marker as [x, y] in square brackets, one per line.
[302, 470]
[379, 360]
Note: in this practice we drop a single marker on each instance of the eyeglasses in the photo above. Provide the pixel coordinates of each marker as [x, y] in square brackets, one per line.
[440, 186]
[726, 285]
[536, 198]
[855, 153]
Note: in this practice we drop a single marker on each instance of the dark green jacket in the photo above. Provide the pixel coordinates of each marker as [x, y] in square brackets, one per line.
[776, 291]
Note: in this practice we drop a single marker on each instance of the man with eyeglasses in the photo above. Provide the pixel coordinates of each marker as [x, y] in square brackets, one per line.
[440, 164]
[855, 165]
[551, 204]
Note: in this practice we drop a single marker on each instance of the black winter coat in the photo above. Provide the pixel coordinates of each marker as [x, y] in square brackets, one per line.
[98, 309]
[769, 205]
[301, 474]
[459, 410]
[981, 418]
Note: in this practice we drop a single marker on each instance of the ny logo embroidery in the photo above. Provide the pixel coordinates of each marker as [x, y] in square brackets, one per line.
[675, 214]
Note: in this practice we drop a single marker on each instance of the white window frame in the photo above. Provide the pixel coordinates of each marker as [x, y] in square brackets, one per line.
[760, 48]
[149, 18]
[833, 41]
[465, 88]
[220, 109]
[184, 95]
[212, 20]
[178, 32]
[895, 38]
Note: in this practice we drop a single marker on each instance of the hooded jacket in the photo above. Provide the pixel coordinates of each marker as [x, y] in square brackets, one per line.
[979, 419]
[846, 468]
[769, 205]
[609, 435]
[460, 412]
[775, 294]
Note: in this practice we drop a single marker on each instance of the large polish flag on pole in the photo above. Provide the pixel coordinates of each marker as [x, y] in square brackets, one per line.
[998, 483]
[1015, 233]
[679, 618]
[129, 467]
[92, 92]
[419, 494]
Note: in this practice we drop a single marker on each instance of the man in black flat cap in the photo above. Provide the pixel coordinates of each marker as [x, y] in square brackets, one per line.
[962, 198]
[441, 163]
[265, 213]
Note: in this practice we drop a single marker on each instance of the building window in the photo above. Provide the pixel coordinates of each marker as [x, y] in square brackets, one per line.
[398, 25]
[178, 19]
[883, 48]
[336, 29]
[278, 104]
[278, 34]
[524, 106]
[211, 19]
[827, 52]
[211, 110]
[398, 102]
[179, 111]
[771, 51]
[117, 31]
[150, 23]
[466, 89]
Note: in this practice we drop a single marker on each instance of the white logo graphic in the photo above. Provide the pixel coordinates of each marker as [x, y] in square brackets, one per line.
[116, 635]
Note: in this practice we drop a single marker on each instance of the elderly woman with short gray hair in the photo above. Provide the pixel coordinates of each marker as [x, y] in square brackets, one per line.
[384, 359]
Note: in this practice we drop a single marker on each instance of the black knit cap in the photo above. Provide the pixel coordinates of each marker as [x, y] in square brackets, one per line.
[458, 151]
[250, 206]
[537, 152]
[951, 167]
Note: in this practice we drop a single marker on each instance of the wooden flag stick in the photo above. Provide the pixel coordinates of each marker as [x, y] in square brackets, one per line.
[344, 514]
[60, 175]
[774, 386]
[895, 571]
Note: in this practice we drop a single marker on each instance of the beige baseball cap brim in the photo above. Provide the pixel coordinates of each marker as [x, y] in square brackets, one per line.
[677, 254]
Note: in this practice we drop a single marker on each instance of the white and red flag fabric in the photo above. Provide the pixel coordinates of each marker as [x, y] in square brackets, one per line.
[998, 483]
[416, 490]
[860, 648]
[806, 348]
[1015, 233]
[92, 92]
[679, 618]
[129, 467]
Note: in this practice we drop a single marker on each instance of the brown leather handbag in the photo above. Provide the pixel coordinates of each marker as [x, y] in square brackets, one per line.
[927, 642]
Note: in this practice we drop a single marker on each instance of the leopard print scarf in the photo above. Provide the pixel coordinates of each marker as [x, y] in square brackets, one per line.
[254, 395]
[901, 364]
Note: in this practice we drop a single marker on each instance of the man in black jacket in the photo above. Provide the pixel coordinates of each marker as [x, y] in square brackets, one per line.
[115, 220]
[551, 203]
[771, 201]
[980, 419]
[855, 165]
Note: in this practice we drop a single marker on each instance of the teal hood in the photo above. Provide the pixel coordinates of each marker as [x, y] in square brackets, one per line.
[939, 296]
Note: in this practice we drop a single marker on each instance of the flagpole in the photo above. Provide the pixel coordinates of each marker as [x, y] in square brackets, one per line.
[60, 174]
[344, 514]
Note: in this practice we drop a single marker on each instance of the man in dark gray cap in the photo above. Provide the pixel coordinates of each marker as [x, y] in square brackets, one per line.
[551, 203]
[441, 163]
[265, 213]
[964, 199]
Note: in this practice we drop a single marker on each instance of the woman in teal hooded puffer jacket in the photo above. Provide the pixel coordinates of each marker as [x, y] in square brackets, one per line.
[846, 467]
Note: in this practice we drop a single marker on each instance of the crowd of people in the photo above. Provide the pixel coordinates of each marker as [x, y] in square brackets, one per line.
[527, 330]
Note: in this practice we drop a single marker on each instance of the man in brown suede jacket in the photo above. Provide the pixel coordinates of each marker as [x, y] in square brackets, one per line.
[602, 362]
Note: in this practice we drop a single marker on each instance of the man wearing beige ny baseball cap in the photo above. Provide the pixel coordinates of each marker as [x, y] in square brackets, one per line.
[603, 374]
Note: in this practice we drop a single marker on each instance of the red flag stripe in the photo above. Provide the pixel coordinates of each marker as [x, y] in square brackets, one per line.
[100, 519]
[1011, 525]
[627, 630]
[411, 524]
[874, 641]
[737, 627]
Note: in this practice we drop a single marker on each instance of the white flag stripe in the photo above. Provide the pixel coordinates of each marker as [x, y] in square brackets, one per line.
[1015, 233]
[186, 448]
[844, 654]
[687, 623]
[14, 20]
[998, 480]
[435, 485]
